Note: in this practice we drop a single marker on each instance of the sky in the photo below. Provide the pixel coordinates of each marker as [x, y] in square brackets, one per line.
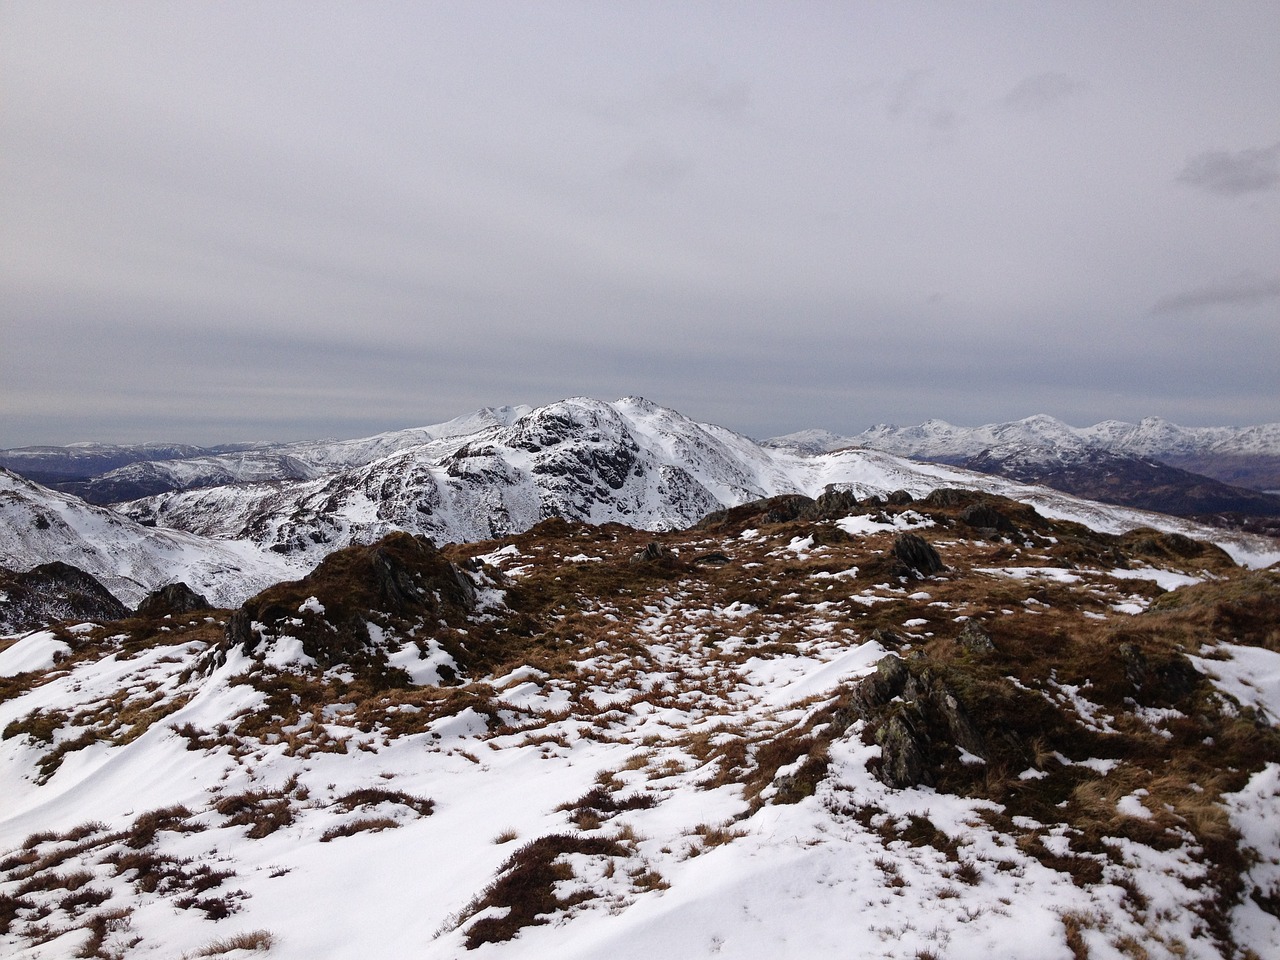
[230, 221]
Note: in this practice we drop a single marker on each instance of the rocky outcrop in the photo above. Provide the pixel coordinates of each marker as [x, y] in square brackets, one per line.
[1162, 681]
[975, 640]
[53, 592]
[986, 519]
[173, 598]
[401, 586]
[915, 717]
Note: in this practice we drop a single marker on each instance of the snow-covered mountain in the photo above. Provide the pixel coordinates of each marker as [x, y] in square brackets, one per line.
[1044, 448]
[762, 703]
[1151, 437]
[39, 526]
[493, 473]
[91, 471]
[630, 462]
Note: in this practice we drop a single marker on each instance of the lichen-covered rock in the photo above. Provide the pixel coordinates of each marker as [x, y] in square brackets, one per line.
[902, 761]
[975, 640]
[917, 720]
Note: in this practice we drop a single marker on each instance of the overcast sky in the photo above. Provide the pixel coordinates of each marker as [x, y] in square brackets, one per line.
[227, 220]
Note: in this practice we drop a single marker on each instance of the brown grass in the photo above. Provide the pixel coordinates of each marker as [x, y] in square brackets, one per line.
[363, 825]
[257, 940]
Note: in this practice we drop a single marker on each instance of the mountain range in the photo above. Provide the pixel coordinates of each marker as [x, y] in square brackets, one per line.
[493, 473]
[1150, 437]
[1229, 476]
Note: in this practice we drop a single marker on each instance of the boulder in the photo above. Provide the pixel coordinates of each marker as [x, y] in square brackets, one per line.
[973, 639]
[171, 599]
[917, 555]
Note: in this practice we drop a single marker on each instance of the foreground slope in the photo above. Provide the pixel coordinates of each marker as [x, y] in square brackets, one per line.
[948, 727]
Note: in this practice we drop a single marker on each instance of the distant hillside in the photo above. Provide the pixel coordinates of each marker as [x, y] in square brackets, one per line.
[1211, 472]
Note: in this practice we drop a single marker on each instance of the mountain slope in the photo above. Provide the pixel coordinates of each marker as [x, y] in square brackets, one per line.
[104, 474]
[39, 526]
[1151, 437]
[1123, 479]
[1241, 456]
[1154, 464]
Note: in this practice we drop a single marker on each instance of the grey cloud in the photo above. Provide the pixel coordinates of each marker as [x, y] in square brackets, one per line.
[1243, 289]
[906, 94]
[917, 97]
[657, 166]
[224, 224]
[701, 92]
[705, 92]
[1042, 90]
[1231, 174]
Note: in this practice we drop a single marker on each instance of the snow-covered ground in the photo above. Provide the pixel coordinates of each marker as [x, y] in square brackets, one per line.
[385, 824]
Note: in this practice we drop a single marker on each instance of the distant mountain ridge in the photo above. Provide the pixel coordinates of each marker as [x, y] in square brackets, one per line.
[1152, 436]
[1042, 449]
[630, 461]
[109, 473]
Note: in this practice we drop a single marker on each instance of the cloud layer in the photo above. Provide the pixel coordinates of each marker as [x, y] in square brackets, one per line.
[308, 219]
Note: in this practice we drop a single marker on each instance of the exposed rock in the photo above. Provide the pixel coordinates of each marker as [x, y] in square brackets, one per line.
[973, 639]
[53, 592]
[832, 504]
[949, 497]
[985, 518]
[715, 558]
[900, 498]
[786, 508]
[1160, 682]
[171, 599]
[917, 720]
[653, 552]
[917, 555]
[781, 509]
[886, 638]
[902, 762]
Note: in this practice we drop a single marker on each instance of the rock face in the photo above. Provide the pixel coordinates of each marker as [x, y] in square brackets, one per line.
[170, 599]
[915, 717]
[50, 592]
